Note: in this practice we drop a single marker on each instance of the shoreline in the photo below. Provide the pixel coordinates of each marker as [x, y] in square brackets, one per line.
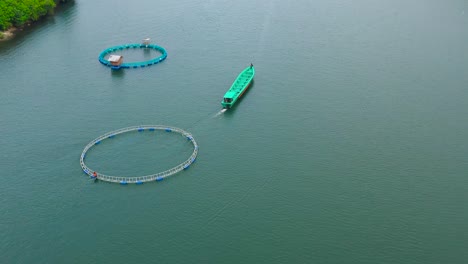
[8, 34]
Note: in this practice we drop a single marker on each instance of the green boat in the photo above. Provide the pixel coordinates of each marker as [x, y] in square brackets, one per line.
[238, 88]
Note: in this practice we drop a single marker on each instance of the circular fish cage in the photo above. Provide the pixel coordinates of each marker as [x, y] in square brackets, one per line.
[138, 179]
[139, 64]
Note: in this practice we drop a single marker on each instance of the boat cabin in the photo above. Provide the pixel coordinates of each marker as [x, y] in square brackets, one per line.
[146, 41]
[115, 60]
[227, 100]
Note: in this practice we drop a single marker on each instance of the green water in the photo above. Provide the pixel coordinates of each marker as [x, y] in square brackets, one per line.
[350, 147]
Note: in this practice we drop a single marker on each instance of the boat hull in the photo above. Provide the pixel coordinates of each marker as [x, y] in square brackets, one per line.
[238, 88]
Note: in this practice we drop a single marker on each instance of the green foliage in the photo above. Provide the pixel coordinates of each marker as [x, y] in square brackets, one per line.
[1, 35]
[19, 12]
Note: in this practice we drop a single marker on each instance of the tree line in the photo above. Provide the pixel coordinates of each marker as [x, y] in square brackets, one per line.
[19, 12]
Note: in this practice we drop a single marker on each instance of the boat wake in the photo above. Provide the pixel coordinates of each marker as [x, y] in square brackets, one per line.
[220, 112]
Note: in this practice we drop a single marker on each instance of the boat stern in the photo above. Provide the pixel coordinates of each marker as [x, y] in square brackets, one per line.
[226, 105]
[227, 102]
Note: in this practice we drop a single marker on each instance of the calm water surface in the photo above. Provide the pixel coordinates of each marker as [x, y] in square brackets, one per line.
[350, 147]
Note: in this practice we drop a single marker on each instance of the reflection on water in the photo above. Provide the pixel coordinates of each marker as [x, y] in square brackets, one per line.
[117, 73]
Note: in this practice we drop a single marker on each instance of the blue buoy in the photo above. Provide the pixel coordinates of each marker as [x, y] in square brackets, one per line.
[97, 142]
[151, 129]
[159, 178]
[139, 182]
[111, 136]
[168, 130]
[140, 129]
[123, 182]
[186, 166]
